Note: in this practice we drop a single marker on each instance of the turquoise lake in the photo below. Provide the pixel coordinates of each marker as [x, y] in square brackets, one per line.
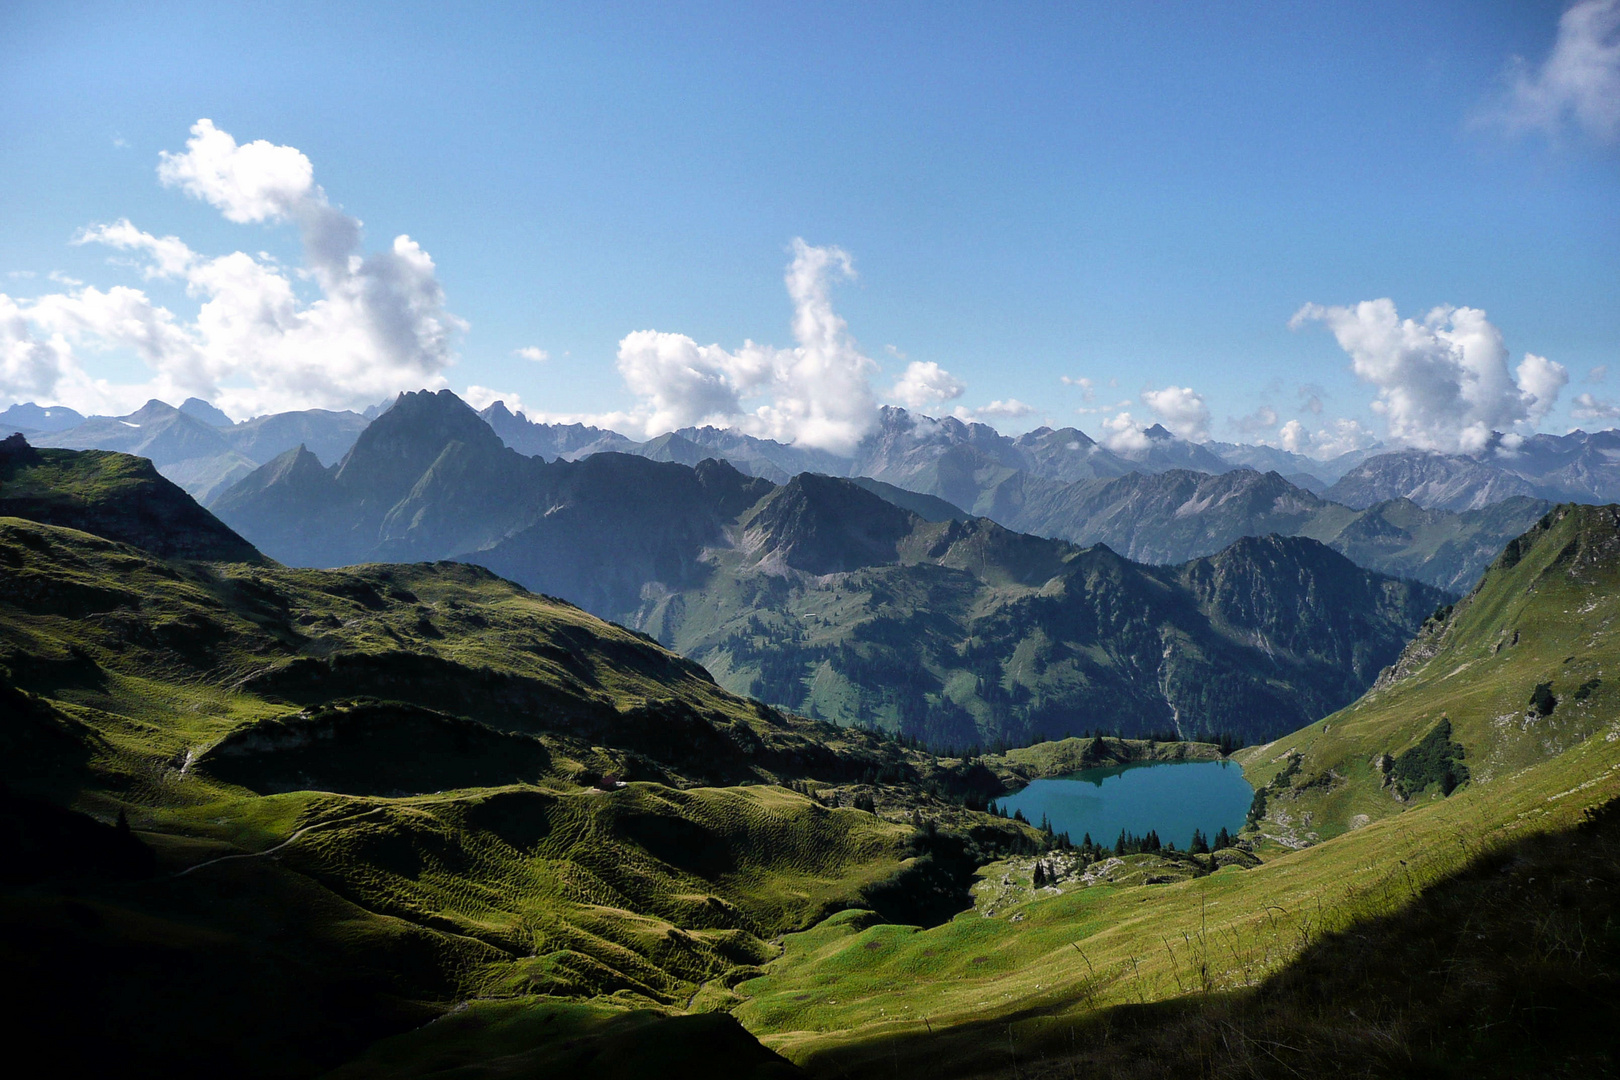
[1173, 798]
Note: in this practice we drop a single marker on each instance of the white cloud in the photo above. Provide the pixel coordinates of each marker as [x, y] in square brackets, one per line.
[1088, 388]
[1587, 407]
[20, 275]
[1596, 375]
[1443, 384]
[817, 394]
[1540, 382]
[926, 384]
[1011, 409]
[1329, 441]
[681, 383]
[1123, 434]
[32, 367]
[170, 256]
[1293, 437]
[482, 397]
[531, 352]
[1579, 81]
[378, 327]
[1180, 409]
[1262, 419]
[257, 181]
[62, 279]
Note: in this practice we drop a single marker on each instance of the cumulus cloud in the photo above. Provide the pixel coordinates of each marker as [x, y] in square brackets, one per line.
[1011, 409]
[32, 366]
[378, 327]
[1587, 407]
[925, 384]
[1123, 434]
[1443, 383]
[1597, 374]
[816, 394]
[1088, 388]
[1262, 419]
[530, 352]
[1579, 81]
[1329, 441]
[1180, 409]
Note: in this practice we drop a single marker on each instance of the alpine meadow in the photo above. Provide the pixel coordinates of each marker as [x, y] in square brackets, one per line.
[829, 542]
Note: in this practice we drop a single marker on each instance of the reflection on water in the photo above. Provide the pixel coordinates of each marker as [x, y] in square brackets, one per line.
[1172, 798]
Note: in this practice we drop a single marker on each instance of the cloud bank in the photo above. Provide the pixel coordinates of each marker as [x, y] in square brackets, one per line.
[1443, 383]
[1578, 83]
[817, 393]
[378, 326]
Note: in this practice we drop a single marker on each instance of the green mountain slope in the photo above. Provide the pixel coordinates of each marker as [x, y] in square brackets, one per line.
[832, 603]
[1543, 614]
[1488, 892]
[119, 496]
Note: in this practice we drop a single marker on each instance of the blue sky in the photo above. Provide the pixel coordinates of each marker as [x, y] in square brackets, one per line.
[1136, 194]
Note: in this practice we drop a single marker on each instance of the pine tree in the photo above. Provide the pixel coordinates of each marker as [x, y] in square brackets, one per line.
[1040, 875]
[1119, 845]
[1199, 845]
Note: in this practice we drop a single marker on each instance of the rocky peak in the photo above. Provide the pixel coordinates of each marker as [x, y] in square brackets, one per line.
[824, 525]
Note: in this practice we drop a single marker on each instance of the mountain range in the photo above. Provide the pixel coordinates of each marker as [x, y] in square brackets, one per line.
[821, 596]
[196, 446]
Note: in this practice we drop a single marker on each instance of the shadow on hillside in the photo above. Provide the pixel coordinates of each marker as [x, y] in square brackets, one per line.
[1508, 968]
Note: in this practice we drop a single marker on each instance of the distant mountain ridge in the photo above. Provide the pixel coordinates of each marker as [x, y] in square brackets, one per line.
[196, 445]
[937, 623]
[1165, 502]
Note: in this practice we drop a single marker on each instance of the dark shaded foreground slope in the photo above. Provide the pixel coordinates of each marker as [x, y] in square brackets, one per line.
[1509, 968]
[253, 819]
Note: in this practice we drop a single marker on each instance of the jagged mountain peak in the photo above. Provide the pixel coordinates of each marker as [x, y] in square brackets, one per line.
[397, 447]
[825, 525]
[207, 412]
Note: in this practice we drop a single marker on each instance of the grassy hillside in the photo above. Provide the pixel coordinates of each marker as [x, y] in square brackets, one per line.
[853, 998]
[833, 603]
[416, 820]
[362, 796]
[1543, 614]
[116, 495]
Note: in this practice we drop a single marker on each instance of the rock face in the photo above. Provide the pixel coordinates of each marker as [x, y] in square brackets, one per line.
[1433, 481]
[115, 496]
